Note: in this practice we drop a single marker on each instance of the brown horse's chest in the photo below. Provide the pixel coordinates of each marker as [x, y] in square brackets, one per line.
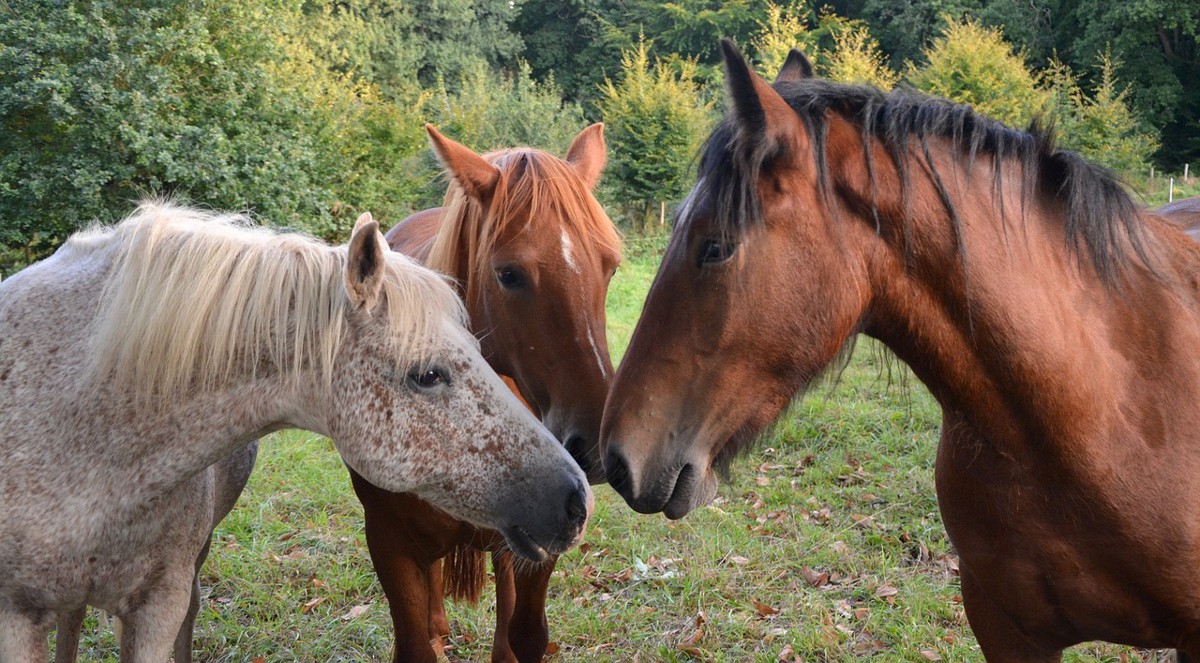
[1064, 559]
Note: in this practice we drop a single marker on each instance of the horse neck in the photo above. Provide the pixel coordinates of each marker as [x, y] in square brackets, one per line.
[1013, 333]
[191, 434]
[145, 448]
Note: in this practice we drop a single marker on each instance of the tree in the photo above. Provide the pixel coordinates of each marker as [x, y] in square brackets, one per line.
[104, 102]
[579, 40]
[1156, 43]
[1101, 127]
[494, 110]
[856, 59]
[906, 27]
[397, 44]
[655, 118]
[784, 28]
[972, 64]
[572, 42]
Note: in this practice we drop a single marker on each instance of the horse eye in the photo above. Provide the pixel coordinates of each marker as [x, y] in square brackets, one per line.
[714, 251]
[427, 378]
[510, 277]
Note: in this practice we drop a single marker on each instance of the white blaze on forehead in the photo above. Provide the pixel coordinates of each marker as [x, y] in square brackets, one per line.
[596, 352]
[568, 251]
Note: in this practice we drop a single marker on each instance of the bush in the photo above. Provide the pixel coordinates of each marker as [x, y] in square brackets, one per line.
[654, 119]
[1101, 127]
[217, 103]
[973, 65]
[491, 110]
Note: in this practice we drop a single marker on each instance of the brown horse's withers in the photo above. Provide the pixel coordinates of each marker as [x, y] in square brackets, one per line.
[532, 253]
[1054, 320]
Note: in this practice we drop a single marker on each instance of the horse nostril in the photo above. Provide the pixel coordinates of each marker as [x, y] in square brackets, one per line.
[617, 471]
[577, 447]
[577, 508]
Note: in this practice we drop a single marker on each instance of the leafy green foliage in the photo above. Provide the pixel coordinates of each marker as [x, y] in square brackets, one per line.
[106, 102]
[783, 28]
[654, 119]
[1156, 42]
[973, 64]
[906, 27]
[1101, 126]
[398, 43]
[491, 111]
[856, 59]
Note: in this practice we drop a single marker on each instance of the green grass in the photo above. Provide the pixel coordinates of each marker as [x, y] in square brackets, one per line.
[826, 546]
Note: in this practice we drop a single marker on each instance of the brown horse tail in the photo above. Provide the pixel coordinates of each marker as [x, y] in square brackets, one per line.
[464, 572]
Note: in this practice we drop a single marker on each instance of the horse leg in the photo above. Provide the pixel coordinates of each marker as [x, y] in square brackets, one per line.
[407, 585]
[506, 599]
[999, 638]
[66, 639]
[185, 636]
[529, 635]
[149, 630]
[439, 623]
[23, 639]
[405, 579]
[229, 480]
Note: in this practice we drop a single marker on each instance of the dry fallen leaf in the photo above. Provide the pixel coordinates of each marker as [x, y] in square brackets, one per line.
[308, 607]
[763, 609]
[355, 612]
[930, 655]
[551, 648]
[739, 560]
[814, 578]
[884, 591]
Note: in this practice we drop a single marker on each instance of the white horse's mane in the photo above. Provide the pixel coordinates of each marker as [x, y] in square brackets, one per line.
[194, 297]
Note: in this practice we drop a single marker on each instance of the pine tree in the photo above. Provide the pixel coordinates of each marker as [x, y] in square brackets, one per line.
[654, 119]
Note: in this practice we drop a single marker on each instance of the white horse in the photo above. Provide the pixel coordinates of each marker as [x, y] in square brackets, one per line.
[137, 356]
[218, 487]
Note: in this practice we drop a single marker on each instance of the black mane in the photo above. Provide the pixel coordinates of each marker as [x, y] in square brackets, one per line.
[1099, 211]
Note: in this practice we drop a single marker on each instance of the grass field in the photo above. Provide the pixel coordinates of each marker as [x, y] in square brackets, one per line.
[827, 546]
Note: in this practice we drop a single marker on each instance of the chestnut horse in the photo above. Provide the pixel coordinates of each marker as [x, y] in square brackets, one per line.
[532, 252]
[1056, 323]
[136, 356]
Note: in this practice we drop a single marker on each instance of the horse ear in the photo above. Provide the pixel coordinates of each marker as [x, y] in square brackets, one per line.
[472, 172]
[760, 112]
[365, 263]
[796, 68]
[587, 154]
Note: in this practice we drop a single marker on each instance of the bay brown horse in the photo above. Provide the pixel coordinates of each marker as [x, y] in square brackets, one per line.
[532, 252]
[1055, 321]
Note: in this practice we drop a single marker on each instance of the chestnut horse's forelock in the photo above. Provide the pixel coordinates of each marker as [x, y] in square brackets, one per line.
[530, 180]
[1101, 219]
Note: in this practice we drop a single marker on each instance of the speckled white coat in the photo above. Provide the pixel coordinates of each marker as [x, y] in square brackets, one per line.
[94, 476]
